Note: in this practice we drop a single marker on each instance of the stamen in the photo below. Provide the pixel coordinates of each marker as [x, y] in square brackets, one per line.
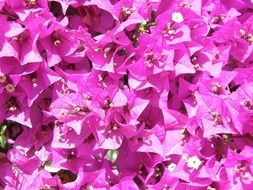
[31, 2]
[194, 60]
[115, 127]
[250, 38]
[87, 97]
[34, 82]
[241, 168]
[185, 5]
[227, 138]
[247, 104]
[169, 31]
[97, 49]
[10, 88]
[217, 119]
[242, 32]
[81, 47]
[3, 79]
[182, 4]
[128, 11]
[217, 19]
[56, 38]
[151, 58]
[184, 133]
[57, 42]
[12, 104]
[216, 88]
[21, 38]
[13, 108]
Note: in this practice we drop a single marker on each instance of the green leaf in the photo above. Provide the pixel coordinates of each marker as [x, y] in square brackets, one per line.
[47, 163]
[48, 167]
[3, 141]
[112, 155]
[142, 26]
[3, 129]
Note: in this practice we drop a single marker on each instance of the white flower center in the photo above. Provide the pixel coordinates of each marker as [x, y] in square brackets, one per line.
[172, 167]
[193, 162]
[177, 17]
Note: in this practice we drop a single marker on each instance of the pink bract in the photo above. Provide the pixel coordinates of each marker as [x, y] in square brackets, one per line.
[126, 94]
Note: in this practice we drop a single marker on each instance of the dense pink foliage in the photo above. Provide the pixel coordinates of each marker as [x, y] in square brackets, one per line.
[126, 94]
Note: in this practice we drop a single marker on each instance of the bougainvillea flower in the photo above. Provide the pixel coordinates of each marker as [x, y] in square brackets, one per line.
[34, 83]
[13, 109]
[22, 41]
[120, 94]
[56, 41]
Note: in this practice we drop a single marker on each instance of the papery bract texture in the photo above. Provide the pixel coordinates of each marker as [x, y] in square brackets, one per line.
[126, 94]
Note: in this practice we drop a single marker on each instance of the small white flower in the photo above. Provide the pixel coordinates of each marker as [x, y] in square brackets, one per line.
[172, 167]
[177, 17]
[193, 162]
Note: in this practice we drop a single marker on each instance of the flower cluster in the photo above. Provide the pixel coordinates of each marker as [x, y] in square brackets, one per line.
[126, 94]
